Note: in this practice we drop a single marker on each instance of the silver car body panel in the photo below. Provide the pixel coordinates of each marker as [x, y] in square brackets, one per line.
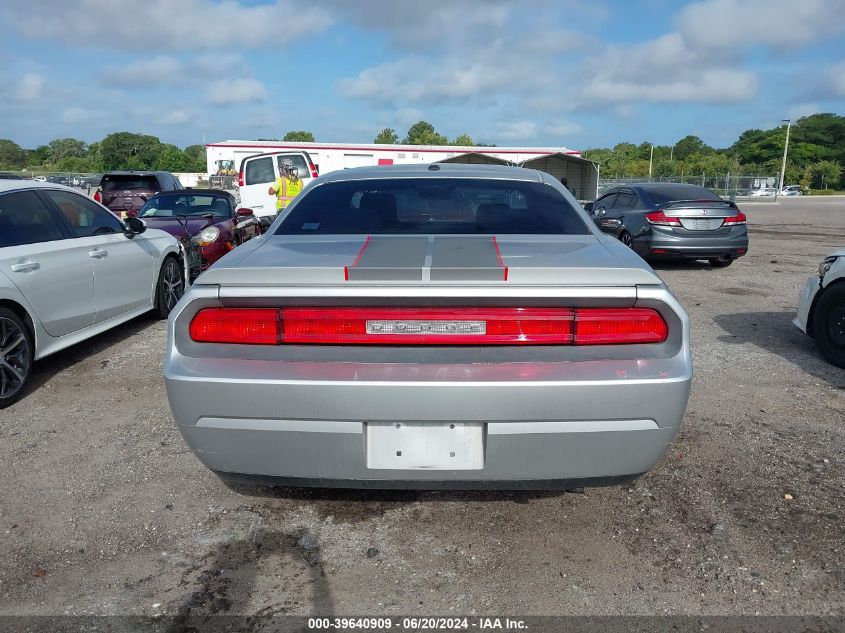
[301, 413]
[59, 296]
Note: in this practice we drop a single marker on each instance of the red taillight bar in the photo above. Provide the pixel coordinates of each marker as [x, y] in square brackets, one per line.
[739, 218]
[429, 326]
[247, 326]
[660, 218]
[619, 326]
[240, 178]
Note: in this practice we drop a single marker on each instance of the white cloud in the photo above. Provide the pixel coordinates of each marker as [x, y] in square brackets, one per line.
[229, 91]
[666, 69]
[164, 25]
[709, 86]
[29, 88]
[836, 78]
[82, 115]
[416, 79]
[563, 128]
[514, 131]
[157, 70]
[426, 25]
[716, 24]
[177, 116]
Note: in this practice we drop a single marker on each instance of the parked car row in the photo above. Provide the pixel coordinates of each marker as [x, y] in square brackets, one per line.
[416, 326]
[70, 268]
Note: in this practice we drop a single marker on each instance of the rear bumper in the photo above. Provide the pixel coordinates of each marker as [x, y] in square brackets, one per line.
[262, 421]
[682, 244]
[585, 420]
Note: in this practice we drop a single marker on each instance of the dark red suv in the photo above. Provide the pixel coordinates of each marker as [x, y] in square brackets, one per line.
[125, 192]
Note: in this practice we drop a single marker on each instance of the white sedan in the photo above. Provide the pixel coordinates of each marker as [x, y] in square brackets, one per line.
[70, 269]
[821, 308]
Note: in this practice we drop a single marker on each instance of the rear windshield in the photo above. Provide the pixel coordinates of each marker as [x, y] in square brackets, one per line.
[415, 206]
[168, 206]
[668, 193]
[123, 183]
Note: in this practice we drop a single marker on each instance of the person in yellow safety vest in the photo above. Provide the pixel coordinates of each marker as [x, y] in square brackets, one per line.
[286, 187]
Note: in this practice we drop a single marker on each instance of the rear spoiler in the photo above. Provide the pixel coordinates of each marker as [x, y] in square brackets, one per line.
[730, 203]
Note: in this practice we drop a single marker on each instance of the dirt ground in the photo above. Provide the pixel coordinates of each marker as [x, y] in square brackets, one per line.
[105, 511]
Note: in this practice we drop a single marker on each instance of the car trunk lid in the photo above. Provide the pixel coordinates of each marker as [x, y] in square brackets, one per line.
[701, 215]
[431, 260]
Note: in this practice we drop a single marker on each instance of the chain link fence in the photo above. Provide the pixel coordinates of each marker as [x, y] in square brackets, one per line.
[728, 186]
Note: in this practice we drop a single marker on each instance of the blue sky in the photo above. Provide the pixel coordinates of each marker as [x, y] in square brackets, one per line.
[551, 72]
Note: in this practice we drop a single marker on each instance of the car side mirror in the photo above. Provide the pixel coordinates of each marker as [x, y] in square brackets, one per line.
[588, 207]
[134, 226]
[243, 212]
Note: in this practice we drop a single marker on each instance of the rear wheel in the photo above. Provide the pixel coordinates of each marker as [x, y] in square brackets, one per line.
[721, 262]
[829, 324]
[626, 239]
[16, 356]
[170, 288]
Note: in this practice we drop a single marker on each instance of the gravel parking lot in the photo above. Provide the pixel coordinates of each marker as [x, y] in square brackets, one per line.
[105, 511]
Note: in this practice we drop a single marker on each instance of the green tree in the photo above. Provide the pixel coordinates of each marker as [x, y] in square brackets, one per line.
[125, 150]
[463, 139]
[825, 174]
[387, 136]
[422, 133]
[37, 157]
[196, 158]
[690, 145]
[171, 158]
[299, 136]
[66, 148]
[11, 155]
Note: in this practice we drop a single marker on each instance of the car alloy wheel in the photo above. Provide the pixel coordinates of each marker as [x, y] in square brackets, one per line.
[626, 239]
[15, 358]
[172, 285]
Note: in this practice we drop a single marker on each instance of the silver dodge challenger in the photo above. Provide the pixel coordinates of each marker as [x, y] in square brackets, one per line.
[430, 326]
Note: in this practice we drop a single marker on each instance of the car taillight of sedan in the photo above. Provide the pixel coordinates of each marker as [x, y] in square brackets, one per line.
[660, 218]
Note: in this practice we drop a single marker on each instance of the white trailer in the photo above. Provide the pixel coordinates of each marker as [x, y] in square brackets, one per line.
[330, 157]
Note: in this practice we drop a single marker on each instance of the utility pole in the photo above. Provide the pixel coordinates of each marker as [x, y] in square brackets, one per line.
[672, 151]
[783, 165]
[650, 157]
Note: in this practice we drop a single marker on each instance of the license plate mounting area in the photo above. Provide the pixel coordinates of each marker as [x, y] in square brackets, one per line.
[425, 445]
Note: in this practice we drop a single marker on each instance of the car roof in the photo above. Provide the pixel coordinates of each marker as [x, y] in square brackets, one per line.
[134, 173]
[19, 185]
[657, 185]
[434, 170]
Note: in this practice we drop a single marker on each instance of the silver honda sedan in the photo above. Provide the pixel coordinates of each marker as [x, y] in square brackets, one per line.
[430, 326]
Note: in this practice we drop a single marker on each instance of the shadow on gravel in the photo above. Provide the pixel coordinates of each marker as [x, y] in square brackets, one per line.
[227, 576]
[47, 368]
[775, 333]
